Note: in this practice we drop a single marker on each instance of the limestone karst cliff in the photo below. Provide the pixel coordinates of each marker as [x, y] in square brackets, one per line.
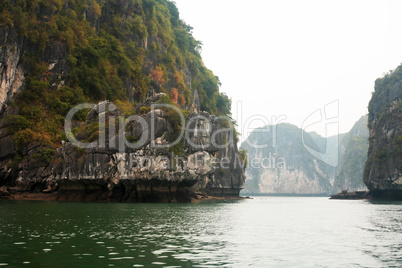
[57, 54]
[203, 164]
[383, 169]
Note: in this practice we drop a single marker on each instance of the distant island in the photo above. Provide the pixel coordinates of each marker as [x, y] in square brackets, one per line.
[286, 167]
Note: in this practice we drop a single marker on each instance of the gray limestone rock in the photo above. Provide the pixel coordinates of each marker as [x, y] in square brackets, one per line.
[383, 169]
[154, 171]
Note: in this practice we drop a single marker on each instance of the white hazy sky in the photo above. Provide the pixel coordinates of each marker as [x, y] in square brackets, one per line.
[288, 57]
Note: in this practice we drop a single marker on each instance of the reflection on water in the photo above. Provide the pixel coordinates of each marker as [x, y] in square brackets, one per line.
[273, 231]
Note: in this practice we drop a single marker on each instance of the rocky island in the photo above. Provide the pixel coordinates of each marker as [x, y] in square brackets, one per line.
[383, 168]
[150, 170]
[163, 135]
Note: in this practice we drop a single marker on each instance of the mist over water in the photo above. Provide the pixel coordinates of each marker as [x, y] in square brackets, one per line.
[261, 232]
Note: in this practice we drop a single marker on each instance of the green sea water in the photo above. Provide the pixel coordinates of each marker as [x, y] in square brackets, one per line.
[259, 232]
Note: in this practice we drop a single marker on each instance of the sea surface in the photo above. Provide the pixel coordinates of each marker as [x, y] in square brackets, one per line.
[259, 232]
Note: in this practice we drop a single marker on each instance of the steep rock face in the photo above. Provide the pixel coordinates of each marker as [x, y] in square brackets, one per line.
[11, 70]
[205, 165]
[383, 169]
[352, 155]
[284, 166]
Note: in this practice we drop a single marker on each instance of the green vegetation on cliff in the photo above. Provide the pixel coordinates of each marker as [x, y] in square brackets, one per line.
[90, 50]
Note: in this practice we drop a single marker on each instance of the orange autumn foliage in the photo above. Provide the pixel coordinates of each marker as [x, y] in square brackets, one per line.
[179, 81]
[157, 75]
[174, 94]
[182, 100]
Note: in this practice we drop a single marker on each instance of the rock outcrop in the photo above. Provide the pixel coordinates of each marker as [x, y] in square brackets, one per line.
[203, 163]
[352, 195]
[383, 169]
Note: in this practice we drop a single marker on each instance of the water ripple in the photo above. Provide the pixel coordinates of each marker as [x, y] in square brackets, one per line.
[274, 231]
